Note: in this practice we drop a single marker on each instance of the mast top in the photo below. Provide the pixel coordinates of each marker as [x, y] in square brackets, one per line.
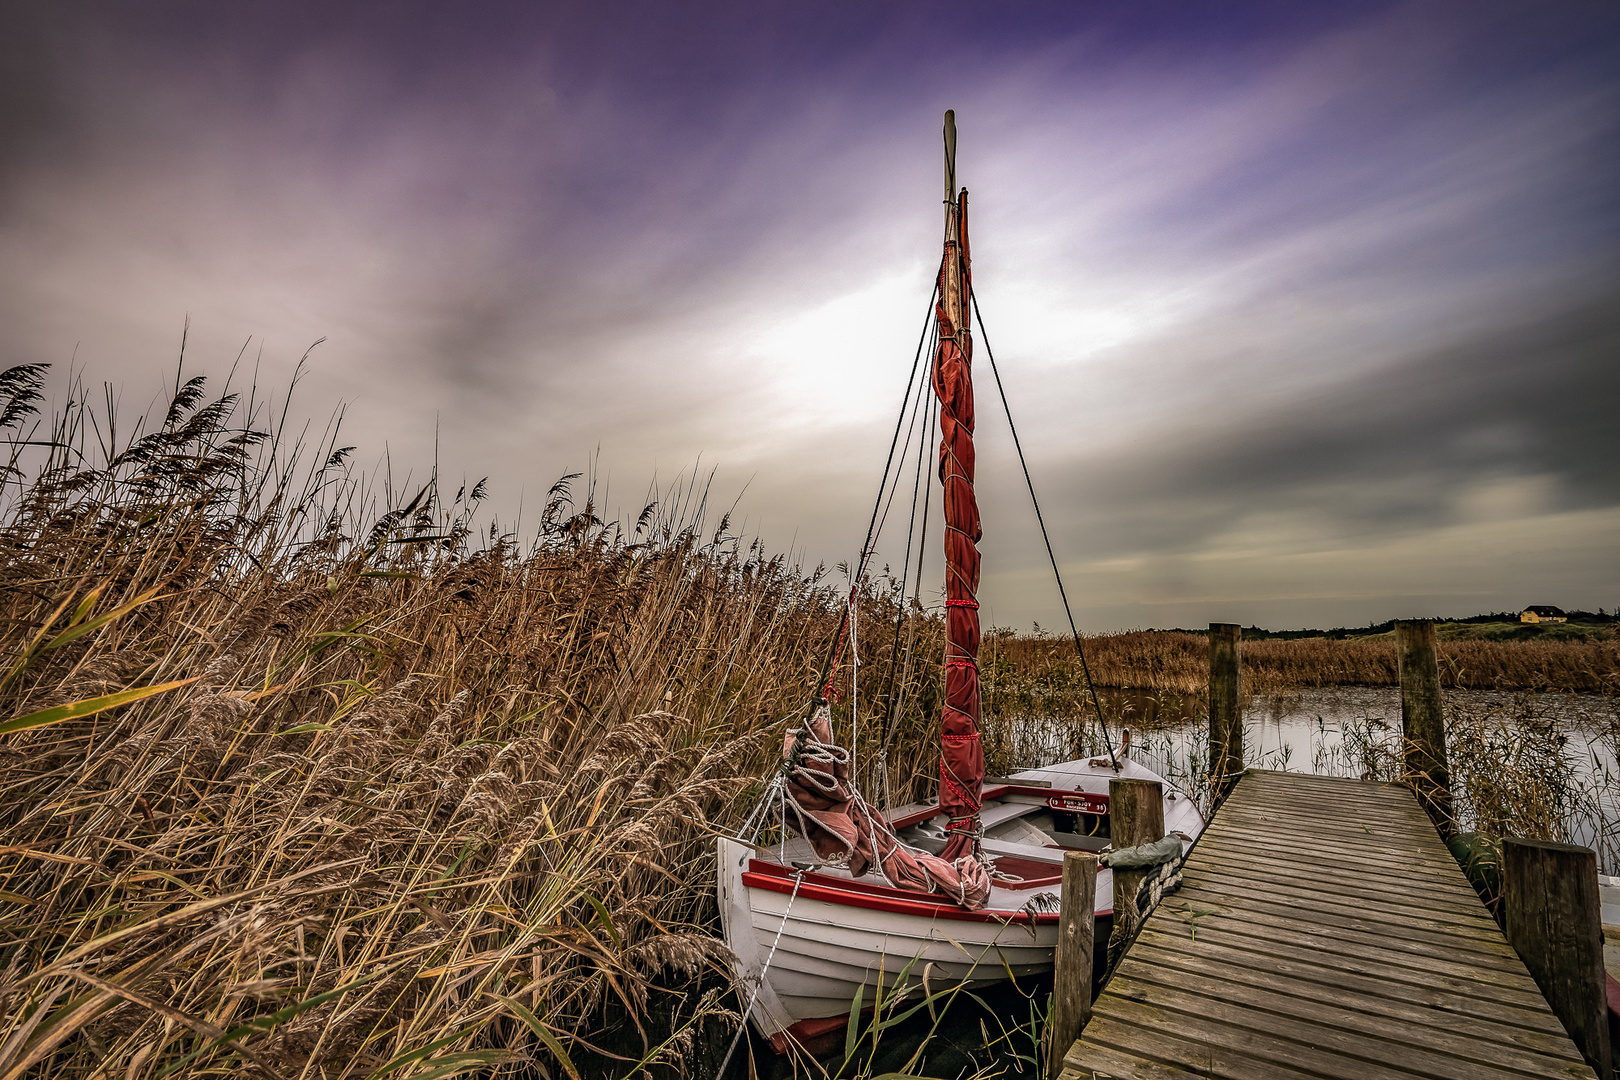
[950, 155]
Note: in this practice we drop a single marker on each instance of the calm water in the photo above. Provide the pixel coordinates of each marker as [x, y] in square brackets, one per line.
[1562, 746]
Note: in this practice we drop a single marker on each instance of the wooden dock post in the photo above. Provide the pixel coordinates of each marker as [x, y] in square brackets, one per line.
[1135, 817]
[1423, 722]
[1225, 715]
[1071, 987]
[1555, 922]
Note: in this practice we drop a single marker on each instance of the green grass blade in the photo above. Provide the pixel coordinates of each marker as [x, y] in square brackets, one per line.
[76, 632]
[416, 1055]
[853, 1033]
[606, 920]
[89, 706]
[542, 1032]
[85, 605]
[937, 995]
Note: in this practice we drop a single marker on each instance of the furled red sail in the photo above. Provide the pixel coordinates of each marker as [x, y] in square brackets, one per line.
[961, 764]
[844, 830]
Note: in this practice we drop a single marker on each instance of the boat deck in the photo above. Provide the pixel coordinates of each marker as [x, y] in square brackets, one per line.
[1322, 930]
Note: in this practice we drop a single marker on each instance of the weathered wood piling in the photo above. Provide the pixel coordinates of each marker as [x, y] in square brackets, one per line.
[1423, 722]
[1135, 817]
[1225, 710]
[1554, 921]
[1077, 929]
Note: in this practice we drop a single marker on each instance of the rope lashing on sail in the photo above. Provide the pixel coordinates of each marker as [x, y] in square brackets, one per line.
[846, 832]
[961, 765]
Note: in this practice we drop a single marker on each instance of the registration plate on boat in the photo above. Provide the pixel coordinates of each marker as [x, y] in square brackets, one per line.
[1078, 804]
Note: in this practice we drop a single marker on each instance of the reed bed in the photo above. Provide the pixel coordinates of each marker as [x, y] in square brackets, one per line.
[1178, 662]
[307, 777]
[302, 774]
[1521, 767]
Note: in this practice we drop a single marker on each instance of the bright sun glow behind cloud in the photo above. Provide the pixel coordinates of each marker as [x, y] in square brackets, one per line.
[1272, 294]
[845, 361]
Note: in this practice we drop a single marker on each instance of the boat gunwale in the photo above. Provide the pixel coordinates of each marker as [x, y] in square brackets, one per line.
[774, 877]
[1047, 795]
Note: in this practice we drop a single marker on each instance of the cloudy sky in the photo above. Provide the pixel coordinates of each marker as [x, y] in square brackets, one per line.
[1309, 314]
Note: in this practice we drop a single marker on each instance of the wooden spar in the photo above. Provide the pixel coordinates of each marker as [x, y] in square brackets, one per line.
[951, 286]
[961, 756]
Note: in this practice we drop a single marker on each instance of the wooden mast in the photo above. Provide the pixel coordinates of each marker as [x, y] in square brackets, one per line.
[961, 769]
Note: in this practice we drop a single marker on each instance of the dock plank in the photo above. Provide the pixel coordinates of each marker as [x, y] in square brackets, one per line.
[1322, 930]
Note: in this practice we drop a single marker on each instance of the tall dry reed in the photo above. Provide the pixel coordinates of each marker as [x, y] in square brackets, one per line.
[307, 778]
[1178, 662]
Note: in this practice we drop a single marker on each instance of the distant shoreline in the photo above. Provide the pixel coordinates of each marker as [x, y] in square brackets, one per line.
[1562, 657]
[1499, 626]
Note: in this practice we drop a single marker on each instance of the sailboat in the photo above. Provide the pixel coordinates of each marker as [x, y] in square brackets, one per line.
[960, 891]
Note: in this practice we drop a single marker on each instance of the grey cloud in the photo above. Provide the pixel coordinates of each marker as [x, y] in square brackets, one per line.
[534, 254]
[1385, 450]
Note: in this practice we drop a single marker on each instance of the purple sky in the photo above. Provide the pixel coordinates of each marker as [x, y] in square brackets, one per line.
[1309, 313]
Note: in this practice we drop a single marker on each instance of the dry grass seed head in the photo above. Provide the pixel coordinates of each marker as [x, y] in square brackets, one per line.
[489, 800]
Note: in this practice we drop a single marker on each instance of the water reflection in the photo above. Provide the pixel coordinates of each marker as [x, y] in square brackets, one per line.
[1556, 748]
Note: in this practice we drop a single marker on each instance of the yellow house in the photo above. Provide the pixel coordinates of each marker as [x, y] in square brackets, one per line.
[1539, 613]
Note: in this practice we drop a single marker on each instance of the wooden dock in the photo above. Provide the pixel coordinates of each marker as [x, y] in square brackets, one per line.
[1322, 930]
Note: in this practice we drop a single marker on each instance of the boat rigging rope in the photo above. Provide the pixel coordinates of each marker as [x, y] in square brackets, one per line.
[896, 699]
[756, 820]
[854, 609]
[855, 677]
[742, 1026]
[984, 336]
[925, 450]
[871, 528]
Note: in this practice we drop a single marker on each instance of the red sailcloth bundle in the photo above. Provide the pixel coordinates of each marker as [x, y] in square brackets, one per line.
[961, 765]
[846, 832]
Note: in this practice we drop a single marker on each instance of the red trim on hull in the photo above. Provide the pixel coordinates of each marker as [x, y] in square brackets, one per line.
[819, 1035]
[773, 878]
[1031, 873]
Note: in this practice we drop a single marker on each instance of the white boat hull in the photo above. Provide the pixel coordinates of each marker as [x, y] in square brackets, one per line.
[816, 954]
[808, 943]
